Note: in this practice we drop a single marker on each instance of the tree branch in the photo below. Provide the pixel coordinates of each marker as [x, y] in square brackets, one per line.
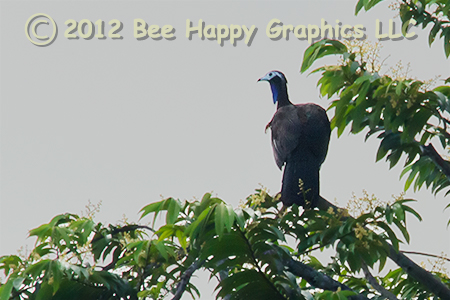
[426, 254]
[421, 275]
[427, 15]
[441, 163]
[318, 279]
[427, 279]
[186, 277]
[255, 263]
[374, 283]
[131, 227]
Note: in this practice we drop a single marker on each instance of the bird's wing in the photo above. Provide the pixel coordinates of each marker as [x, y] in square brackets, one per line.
[304, 125]
[319, 131]
[286, 125]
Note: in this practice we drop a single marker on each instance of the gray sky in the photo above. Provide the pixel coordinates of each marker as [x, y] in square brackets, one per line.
[124, 121]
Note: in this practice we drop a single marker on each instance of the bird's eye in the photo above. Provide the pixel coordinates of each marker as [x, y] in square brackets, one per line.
[270, 74]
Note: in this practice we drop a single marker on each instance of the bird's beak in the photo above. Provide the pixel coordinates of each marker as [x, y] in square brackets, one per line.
[265, 77]
[262, 79]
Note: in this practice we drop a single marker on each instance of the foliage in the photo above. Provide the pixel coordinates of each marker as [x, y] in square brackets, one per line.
[256, 250]
[403, 116]
[425, 12]
[76, 258]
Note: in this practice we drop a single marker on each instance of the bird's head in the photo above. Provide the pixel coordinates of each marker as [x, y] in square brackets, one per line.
[277, 82]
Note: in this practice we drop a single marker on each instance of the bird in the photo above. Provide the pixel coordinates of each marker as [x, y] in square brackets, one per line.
[300, 139]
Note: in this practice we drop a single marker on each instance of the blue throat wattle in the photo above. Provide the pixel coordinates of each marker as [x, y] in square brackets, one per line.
[274, 92]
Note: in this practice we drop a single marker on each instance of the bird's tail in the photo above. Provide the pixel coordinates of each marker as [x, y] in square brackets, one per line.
[301, 183]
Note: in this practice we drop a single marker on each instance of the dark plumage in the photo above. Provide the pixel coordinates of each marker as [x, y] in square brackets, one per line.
[300, 137]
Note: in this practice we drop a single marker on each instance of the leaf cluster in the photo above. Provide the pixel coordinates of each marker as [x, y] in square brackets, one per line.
[421, 12]
[403, 116]
[251, 250]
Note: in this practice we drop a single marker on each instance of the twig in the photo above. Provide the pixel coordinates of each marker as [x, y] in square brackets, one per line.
[374, 283]
[426, 254]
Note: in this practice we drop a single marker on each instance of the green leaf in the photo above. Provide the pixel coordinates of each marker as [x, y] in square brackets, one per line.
[229, 222]
[403, 229]
[206, 203]
[166, 231]
[388, 214]
[224, 218]
[382, 262]
[390, 233]
[41, 232]
[359, 6]
[162, 249]
[411, 177]
[447, 42]
[6, 289]
[10, 263]
[17, 282]
[45, 292]
[382, 151]
[193, 229]
[173, 211]
[221, 214]
[367, 4]
[182, 239]
[57, 272]
[320, 49]
[36, 269]
[354, 262]
[398, 88]
[62, 232]
[153, 207]
[231, 244]
[249, 284]
[83, 229]
[418, 121]
[399, 212]
[410, 210]
[240, 219]
[433, 33]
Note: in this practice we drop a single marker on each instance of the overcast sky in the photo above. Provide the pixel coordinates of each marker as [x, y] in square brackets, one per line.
[124, 121]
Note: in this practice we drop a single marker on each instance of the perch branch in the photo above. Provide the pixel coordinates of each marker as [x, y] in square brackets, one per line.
[427, 279]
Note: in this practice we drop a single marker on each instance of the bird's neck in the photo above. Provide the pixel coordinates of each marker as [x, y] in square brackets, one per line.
[279, 93]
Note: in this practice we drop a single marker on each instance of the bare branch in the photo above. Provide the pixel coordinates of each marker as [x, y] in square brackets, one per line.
[426, 254]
